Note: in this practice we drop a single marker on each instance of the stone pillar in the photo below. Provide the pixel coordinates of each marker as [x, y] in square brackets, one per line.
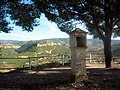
[78, 52]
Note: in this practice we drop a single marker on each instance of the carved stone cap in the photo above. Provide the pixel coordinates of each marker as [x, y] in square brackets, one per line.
[77, 31]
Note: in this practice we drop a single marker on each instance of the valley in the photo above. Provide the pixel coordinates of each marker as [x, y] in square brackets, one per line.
[55, 48]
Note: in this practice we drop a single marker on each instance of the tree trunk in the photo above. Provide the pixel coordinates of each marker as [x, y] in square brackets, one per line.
[107, 52]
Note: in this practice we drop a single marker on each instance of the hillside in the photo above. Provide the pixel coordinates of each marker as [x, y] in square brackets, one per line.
[60, 40]
[95, 42]
[31, 46]
[45, 47]
[55, 47]
[116, 50]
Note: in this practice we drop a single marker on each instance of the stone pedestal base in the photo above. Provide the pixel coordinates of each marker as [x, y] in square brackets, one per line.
[79, 78]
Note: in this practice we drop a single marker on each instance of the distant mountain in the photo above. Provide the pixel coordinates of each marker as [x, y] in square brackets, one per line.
[31, 48]
[116, 49]
[60, 40]
[91, 43]
[115, 42]
[94, 44]
[13, 42]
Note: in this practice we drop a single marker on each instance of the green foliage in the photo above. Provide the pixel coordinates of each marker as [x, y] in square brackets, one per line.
[100, 16]
[18, 12]
[14, 63]
[61, 50]
[65, 26]
[28, 47]
[10, 63]
[55, 55]
[6, 52]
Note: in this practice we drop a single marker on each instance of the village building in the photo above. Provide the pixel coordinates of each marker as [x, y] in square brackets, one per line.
[48, 44]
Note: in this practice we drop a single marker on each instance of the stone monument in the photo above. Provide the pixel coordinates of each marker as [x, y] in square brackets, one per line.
[78, 48]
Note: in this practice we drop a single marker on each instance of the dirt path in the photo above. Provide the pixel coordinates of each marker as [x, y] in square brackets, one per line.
[99, 79]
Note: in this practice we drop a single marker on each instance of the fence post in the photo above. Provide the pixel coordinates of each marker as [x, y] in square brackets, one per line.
[0, 51]
[90, 58]
[29, 63]
[63, 59]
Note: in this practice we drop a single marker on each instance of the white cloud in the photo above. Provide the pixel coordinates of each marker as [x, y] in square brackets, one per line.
[51, 25]
[46, 30]
[15, 36]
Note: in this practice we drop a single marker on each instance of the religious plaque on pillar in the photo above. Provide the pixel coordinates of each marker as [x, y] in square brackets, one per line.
[78, 48]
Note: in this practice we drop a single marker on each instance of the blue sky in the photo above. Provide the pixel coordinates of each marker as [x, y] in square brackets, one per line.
[45, 30]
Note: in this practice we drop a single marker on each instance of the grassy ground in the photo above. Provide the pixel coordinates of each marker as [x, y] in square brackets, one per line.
[99, 78]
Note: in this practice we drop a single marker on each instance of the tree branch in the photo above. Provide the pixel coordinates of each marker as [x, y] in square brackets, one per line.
[116, 21]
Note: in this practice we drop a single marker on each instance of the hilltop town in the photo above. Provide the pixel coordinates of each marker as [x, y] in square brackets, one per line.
[48, 44]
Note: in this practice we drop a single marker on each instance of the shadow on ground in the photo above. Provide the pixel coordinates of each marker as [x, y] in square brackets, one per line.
[98, 79]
